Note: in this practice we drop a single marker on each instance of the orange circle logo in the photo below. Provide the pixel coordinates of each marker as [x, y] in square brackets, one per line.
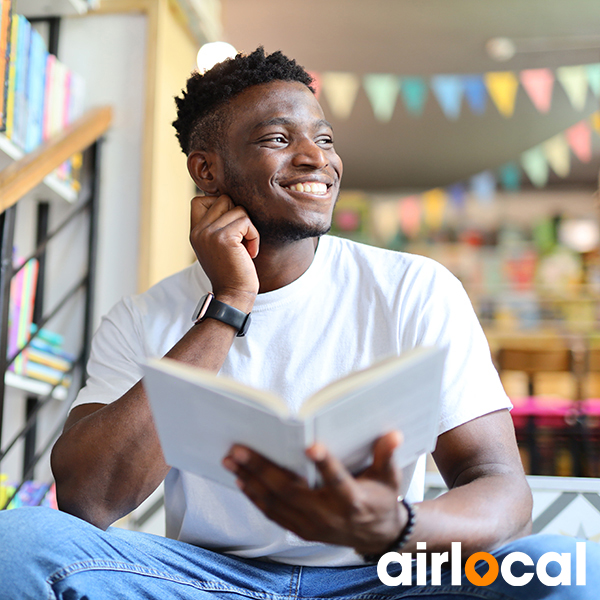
[473, 576]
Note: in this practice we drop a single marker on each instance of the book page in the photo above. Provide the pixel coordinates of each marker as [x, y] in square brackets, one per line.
[406, 399]
[240, 391]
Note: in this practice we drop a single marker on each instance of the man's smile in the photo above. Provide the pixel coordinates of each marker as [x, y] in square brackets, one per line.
[309, 187]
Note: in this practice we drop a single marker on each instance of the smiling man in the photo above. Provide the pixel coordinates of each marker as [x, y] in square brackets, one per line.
[262, 153]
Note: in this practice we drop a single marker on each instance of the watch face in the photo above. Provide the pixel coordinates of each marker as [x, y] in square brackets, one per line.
[203, 307]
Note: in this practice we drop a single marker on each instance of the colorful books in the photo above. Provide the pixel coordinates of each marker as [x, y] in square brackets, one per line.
[43, 96]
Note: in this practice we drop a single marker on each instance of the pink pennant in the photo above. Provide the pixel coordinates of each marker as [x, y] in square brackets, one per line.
[580, 139]
[409, 213]
[538, 84]
[316, 82]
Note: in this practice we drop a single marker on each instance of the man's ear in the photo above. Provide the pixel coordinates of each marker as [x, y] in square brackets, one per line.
[205, 169]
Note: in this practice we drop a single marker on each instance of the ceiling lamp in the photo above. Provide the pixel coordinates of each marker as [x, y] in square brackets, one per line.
[212, 53]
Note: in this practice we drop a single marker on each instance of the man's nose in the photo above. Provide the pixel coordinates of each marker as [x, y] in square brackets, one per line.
[309, 153]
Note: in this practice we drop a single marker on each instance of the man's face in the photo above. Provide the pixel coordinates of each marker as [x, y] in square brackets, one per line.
[280, 164]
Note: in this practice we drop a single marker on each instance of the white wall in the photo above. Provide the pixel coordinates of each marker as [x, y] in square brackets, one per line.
[109, 52]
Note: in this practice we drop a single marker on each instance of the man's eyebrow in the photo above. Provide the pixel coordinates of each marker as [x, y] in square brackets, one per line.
[288, 121]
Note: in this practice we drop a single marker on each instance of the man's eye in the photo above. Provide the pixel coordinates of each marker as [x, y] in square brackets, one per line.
[326, 141]
[279, 139]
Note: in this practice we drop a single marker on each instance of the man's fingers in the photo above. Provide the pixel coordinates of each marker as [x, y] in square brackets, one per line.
[209, 209]
[383, 453]
[332, 471]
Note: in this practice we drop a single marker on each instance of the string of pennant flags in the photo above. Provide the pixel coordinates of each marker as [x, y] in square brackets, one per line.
[383, 89]
[429, 208]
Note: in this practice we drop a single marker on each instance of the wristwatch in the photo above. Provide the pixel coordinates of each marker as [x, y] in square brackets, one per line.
[211, 308]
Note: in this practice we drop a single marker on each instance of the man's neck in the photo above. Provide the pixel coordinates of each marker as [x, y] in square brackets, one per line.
[277, 266]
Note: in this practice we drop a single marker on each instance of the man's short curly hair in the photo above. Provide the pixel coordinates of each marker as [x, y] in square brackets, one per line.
[201, 117]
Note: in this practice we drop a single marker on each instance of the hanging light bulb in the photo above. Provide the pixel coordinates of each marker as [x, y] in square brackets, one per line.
[212, 53]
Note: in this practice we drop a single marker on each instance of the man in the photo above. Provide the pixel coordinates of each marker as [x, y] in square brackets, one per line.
[259, 148]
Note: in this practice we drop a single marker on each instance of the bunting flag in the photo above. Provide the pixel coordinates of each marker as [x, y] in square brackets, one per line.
[434, 204]
[340, 89]
[317, 83]
[458, 195]
[580, 139]
[409, 216]
[448, 90]
[475, 93]
[538, 83]
[382, 90]
[593, 76]
[484, 186]
[503, 86]
[557, 153]
[414, 93]
[384, 219]
[595, 121]
[510, 176]
[535, 165]
[575, 83]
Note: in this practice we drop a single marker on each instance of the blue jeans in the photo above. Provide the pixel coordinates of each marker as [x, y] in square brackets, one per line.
[47, 554]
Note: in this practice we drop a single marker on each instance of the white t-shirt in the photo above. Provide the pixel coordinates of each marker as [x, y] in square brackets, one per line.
[354, 305]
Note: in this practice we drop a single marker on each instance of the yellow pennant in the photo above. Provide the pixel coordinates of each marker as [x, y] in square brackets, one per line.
[340, 89]
[595, 121]
[557, 152]
[503, 86]
[434, 205]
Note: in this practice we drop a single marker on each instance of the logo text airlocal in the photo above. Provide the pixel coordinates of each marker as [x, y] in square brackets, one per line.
[440, 558]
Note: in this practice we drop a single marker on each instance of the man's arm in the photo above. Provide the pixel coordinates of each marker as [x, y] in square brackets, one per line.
[109, 459]
[488, 504]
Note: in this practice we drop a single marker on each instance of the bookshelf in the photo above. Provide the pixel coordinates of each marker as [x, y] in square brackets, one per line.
[27, 178]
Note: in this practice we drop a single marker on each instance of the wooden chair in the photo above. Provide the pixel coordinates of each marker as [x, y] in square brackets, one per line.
[539, 418]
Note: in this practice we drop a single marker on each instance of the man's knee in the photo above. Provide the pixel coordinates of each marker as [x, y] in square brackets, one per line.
[30, 533]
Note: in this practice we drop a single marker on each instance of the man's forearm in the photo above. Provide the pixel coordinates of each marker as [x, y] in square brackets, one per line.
[109, 459]
[482, 514]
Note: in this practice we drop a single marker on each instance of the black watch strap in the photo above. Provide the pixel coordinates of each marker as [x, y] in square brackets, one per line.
[211, 308]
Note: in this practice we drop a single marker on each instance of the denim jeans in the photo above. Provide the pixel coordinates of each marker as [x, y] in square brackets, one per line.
[47, 554]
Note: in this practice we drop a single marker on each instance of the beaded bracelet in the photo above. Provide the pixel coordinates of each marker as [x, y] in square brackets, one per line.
[404, 536]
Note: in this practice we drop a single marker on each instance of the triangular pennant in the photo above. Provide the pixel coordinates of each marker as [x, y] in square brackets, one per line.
[317, 83]
[535, 165]
[414, 93]
[593, 74]
[475, 93]
[538, 84]
[503, 86]
[409, 216]
[340, 89]
[448, 90]
[575, 82]
[382, 90]
[458, 195]
[557, 153]
[595, 121]
[510, 176]
[483, 186]
[580, 139]
[434, 203]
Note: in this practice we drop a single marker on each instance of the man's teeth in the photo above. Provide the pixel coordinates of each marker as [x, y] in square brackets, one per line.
[309, 188]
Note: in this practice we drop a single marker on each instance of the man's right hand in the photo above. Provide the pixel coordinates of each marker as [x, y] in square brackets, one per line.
[225, 242]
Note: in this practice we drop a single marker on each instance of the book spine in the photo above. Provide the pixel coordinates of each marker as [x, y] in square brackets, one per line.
[5, 28]
[21, 99]
[37, 68]
[12, 76]
[27, 302]
[49, 83]
[48, 359]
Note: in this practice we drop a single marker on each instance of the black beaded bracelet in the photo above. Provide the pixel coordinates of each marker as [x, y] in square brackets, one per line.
[404, 536]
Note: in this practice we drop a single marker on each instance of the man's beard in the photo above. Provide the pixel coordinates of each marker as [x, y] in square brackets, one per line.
[272, 231]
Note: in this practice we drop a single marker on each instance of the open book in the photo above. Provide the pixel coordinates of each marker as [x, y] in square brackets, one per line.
[200, 415]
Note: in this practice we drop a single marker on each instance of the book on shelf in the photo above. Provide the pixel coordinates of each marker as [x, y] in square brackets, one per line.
[22, 294]
[199, 415]
[12, 77]
[5, 28]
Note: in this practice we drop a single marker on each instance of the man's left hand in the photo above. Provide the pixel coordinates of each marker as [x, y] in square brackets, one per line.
[361, 512]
